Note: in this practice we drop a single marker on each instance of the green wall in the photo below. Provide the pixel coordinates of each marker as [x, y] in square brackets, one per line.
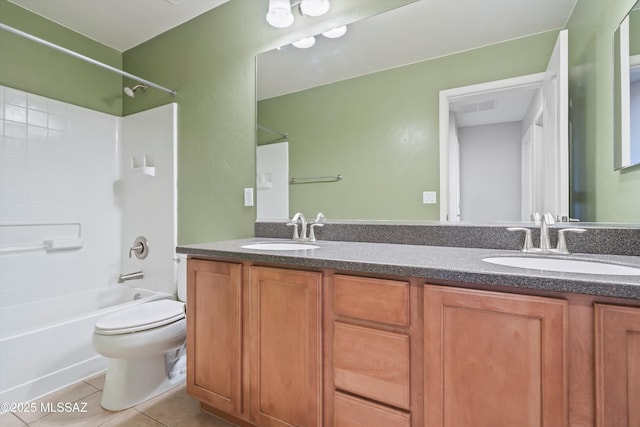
[598, 192]
[34, 68]
[210, 61]
[634, 32]
[381, 131]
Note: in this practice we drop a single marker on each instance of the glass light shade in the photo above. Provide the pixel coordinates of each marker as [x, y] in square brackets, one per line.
[305, 43]
[336, 32]
[279, 14]
[314, 7]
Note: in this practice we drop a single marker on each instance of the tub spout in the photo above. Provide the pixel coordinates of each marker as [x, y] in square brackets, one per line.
[130, 276]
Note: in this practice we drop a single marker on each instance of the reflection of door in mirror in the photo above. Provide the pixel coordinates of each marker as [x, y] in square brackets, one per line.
[627, 91]
[504, 146]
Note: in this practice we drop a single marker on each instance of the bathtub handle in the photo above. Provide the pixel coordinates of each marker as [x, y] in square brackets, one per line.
[140, 248]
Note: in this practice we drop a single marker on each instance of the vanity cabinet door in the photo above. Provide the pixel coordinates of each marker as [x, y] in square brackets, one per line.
[286, 351]
[214, 312]
[617, 338]
[494, 359]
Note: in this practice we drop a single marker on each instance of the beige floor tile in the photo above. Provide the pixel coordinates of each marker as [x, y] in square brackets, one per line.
[203, 420]
[97, 381]
[89, 415]
[131, 418]
[172, 407]
[9, 420]
[70, 394]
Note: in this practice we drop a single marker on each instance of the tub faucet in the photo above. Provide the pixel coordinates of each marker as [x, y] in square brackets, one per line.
[130, 276]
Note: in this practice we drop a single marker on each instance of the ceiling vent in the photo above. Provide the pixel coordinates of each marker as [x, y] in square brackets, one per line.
[475, 107]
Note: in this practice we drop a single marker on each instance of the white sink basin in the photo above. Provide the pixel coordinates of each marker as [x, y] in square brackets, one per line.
[280, 246]
[565, 265]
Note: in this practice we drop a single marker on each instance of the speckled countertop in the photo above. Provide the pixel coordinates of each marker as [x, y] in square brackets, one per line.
[439, 263]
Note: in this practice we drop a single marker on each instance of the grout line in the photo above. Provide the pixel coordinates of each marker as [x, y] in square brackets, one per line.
[149, 416]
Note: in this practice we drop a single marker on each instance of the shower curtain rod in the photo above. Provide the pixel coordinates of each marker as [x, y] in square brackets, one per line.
[283, 136]
[85, 58]
[268, 129]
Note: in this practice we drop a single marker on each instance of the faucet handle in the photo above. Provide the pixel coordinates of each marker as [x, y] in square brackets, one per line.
[295, 229]
[312, 234]
[320, 218]
[536, 218]
[528, 241]
[549, 218]
[562, 248]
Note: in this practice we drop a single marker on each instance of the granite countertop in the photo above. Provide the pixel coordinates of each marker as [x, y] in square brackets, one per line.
[438, 263]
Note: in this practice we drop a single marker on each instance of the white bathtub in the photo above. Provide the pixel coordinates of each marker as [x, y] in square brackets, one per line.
[46, 345]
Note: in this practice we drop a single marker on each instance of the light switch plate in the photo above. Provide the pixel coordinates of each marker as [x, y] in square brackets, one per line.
[248, 196]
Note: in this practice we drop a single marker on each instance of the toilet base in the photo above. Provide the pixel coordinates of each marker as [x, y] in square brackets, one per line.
[132, 381]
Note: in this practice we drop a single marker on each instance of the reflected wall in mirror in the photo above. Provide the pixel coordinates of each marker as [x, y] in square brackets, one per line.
[626, 50]
[378, 127]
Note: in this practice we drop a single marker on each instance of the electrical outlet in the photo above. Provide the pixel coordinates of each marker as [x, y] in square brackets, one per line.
[429, 197]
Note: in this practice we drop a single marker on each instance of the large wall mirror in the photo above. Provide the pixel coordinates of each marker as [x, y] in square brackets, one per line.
[357, 118]
[626, 50]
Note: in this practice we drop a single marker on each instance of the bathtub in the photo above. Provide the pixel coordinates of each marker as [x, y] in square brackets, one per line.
[46, 345]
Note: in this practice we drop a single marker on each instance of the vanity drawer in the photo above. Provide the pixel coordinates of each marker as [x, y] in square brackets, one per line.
[350, 411]
[378, 300]
[372, 363]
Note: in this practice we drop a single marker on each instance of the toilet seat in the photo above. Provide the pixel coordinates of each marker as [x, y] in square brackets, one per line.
[141, 317]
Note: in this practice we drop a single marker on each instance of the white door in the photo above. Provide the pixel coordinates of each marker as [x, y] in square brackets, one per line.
[555, 92]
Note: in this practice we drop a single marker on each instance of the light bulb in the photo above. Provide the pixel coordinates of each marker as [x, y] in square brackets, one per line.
[305, 43]
[336, 32]
[279, 14]
[314, 7]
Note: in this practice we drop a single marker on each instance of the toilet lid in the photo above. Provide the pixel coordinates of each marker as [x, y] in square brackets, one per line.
[141, 317]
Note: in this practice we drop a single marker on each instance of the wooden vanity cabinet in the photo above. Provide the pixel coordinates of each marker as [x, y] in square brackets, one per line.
[494, 359]
[617, 354]
[280, 350]
[285, 347]
[214, 333]
[276, 347]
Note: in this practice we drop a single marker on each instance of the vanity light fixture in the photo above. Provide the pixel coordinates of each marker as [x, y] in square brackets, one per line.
[279, 14]
[305, 43]
[336, 32]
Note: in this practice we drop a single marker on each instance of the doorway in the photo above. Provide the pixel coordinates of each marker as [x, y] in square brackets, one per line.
[504, 146]
[490, 140]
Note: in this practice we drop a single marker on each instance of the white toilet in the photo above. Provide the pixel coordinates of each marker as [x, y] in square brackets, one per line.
[146, 344]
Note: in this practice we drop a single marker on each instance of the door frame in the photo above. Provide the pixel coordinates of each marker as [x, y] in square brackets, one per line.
[449, 95]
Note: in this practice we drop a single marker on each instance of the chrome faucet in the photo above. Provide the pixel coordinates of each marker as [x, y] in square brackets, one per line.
[301, 235]
[130, 276]
[545, 220]
[294, 222]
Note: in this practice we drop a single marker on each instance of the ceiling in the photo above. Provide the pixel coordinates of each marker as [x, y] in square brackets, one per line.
[120, 24]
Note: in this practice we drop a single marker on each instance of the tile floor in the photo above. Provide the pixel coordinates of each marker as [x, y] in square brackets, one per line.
[171, 409]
